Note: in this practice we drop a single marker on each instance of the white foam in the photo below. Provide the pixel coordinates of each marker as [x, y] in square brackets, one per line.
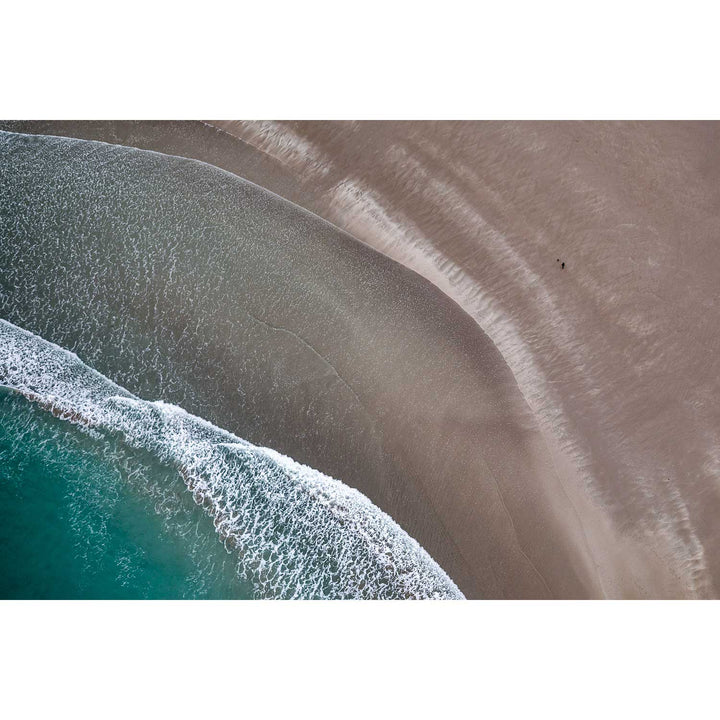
[297, 533]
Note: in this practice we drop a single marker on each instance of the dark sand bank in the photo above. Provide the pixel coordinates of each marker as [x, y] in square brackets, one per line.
[208, 292]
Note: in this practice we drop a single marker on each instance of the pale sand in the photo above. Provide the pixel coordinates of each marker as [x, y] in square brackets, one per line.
[616, 355]
[594, 469]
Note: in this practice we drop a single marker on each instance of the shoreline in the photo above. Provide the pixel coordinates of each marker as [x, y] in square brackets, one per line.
[606, 537]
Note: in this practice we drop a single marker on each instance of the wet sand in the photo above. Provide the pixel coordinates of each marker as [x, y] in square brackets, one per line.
[616, 354]
[569, 447]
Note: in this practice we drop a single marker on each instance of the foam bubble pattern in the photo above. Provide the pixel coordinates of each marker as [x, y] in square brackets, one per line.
[296, 532]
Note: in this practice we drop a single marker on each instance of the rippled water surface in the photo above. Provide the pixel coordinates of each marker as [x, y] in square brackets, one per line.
[104, 496]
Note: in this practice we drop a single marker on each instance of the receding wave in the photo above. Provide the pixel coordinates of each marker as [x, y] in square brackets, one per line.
[296, 532]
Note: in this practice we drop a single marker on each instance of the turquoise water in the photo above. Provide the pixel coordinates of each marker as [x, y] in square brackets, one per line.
[160, 273]
[84, 517]
[106, 495]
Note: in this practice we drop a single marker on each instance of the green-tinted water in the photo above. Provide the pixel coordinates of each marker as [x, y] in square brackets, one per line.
[83, 516]
[158, 279]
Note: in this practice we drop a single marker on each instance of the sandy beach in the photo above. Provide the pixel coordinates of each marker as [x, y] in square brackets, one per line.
[613, 354]
[543, 431]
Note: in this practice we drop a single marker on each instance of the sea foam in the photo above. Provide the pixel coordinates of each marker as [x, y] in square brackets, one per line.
[296, 532]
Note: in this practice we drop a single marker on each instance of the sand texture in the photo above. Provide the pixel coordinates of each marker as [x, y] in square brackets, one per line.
[551, 432]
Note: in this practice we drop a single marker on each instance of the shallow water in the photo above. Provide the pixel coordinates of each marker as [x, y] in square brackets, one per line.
[107, 495]
[179, 281]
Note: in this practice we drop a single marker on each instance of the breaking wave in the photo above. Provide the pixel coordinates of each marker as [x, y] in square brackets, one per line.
[296, 532]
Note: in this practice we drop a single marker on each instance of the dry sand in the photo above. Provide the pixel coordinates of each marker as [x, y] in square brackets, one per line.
[616, 355]
[573, 451]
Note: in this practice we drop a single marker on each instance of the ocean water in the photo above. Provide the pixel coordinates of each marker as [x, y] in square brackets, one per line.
[105, 495]
[182, 282]
[83, 516]
[173, 280]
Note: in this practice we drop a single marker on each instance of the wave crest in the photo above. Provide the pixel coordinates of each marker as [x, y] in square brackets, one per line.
[297, 533]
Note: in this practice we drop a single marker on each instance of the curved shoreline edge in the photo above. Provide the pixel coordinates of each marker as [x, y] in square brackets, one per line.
[363, 552]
